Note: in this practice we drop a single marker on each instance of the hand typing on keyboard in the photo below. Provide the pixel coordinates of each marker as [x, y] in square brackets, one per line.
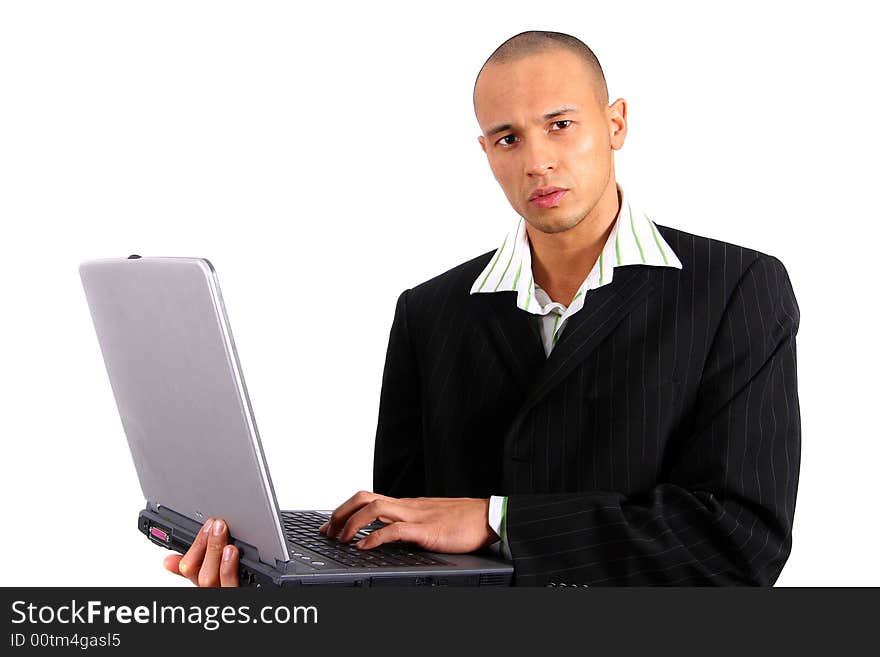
[440, 524]
[301, 530]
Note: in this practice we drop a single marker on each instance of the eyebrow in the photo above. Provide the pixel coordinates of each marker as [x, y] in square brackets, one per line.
[559, 111]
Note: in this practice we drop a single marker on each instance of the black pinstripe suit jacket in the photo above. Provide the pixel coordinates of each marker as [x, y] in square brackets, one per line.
[658, 444]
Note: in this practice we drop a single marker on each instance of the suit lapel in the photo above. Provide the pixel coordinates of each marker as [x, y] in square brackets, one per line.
[517, 339]
[603, 310]
[515, 335]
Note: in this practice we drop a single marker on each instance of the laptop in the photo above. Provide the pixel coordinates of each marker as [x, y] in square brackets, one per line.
[179, 388]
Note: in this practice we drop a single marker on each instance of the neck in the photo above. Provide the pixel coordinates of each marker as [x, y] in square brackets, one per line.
[561, 261]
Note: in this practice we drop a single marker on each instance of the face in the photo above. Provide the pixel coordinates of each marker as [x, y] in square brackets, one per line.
[547, 137]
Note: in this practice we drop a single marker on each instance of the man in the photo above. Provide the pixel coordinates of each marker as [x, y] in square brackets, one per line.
[603, 399]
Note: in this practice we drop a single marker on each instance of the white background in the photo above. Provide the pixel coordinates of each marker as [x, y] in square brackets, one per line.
[326, 157]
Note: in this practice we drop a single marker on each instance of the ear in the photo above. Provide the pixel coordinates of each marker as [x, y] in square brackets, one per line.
[617, 123]
[482, 141]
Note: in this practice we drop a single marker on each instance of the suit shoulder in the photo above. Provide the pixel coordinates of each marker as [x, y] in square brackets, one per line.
[719, 268]
[707, 254]
[457, 280]
[443, 292]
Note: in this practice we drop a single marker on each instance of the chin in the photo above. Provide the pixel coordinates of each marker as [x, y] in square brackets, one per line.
[550, 226]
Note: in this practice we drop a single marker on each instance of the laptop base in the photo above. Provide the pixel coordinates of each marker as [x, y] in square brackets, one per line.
[173, 531]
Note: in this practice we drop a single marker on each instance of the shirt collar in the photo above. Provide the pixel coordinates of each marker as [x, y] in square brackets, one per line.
[634, 240]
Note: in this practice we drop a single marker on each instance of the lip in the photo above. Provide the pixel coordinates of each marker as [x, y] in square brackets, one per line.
[544, 191]
[547, 197]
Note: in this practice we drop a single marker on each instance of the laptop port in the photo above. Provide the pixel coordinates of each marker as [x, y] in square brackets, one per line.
[246, 577]
[160, 535]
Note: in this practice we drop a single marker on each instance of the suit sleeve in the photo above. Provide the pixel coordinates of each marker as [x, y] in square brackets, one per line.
[398, 461]
[723, 513]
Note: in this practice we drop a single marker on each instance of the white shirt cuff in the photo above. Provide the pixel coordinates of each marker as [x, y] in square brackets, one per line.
[495, 517]
[496, 520]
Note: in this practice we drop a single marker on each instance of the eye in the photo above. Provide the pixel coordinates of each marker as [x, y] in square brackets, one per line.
[561, 125]
[502, 141]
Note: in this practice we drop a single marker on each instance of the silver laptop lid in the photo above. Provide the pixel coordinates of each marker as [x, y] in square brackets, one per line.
[174, 371]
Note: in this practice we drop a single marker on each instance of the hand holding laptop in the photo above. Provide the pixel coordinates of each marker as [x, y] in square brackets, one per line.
[454, 525]
[209, 560]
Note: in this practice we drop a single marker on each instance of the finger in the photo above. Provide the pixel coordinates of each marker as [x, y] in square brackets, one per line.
[229, 566]
[411, 532]
[387, 510]
[341, 514]
[189, 565]
[209, 573]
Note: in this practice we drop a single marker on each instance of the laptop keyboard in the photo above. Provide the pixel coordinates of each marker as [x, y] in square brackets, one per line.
[301, 529]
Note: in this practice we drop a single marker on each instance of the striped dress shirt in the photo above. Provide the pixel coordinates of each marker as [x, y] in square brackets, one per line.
[634, 240]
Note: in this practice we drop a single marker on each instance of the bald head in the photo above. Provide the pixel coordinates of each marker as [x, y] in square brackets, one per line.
[535, 42]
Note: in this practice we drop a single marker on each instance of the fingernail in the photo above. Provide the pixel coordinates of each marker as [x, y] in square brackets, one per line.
[182, 567]
[360, 543]
[218, 527]
[207, 526]
[227, 553]
[322, 527]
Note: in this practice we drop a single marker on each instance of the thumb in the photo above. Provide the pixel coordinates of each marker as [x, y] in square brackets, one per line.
[172, 562]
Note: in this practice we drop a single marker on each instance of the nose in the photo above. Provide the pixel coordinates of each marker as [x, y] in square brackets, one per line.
[540, 158]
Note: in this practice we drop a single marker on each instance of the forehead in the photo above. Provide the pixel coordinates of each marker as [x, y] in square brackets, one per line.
[529, 87]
